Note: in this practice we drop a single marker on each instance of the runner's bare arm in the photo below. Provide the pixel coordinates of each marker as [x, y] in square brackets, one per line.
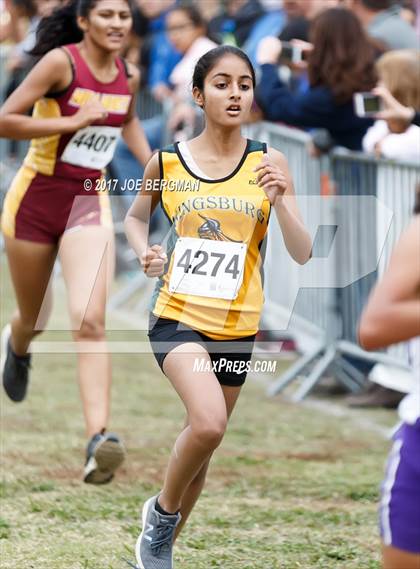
[132, 132]
[296, 237]
[139, 214]
[393, 311]
[51, 73]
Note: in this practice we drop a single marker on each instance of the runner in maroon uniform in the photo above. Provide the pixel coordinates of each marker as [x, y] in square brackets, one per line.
[82, 96]
[35, 208]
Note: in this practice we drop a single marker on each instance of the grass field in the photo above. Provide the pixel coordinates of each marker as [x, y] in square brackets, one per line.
[290, 487]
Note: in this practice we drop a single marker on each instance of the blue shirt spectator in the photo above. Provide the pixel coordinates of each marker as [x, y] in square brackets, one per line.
[244, 24]
[235, 23]
[270, 24]
[163, 56]
[158, 56]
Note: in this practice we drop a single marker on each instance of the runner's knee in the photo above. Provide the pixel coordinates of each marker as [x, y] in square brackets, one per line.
[92, 326]
[29, 324]
[209, 430]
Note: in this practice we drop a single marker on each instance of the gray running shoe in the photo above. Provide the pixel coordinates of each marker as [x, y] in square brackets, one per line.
[154, 545]
[13, 368]
[105, 453]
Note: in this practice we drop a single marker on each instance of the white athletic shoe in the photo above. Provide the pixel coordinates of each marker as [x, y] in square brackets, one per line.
[104, 454]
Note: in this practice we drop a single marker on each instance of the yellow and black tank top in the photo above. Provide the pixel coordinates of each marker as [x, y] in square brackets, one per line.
[230, 209]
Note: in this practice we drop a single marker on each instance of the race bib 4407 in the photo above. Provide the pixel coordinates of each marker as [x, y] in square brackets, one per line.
[204, 267]
[92, 147]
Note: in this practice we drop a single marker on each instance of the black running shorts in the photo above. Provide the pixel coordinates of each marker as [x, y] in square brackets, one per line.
[230, 359]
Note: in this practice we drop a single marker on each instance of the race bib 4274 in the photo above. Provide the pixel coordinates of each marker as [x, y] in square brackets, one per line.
[204, 267]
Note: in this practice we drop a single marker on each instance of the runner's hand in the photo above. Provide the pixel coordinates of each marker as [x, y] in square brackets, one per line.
[153, 261]
[88, 114]
[271, 179]
[269, 50]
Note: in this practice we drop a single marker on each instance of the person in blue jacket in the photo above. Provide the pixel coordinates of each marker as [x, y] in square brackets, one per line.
[245, 23]
[340, 62]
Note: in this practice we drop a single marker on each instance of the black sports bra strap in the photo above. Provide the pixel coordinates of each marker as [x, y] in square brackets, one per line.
[55, 94]
[127, 72]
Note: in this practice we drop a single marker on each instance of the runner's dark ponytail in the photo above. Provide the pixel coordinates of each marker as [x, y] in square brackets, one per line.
[60, 28]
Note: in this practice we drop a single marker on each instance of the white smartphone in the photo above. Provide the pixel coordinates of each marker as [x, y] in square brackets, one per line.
[291, 53]
[367, 104]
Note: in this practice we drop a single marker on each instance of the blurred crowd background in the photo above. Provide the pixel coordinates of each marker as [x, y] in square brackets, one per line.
[339, 48]
[339, 58]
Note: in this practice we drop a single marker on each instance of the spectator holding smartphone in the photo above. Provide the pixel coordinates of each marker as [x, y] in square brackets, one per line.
[395, 137]
[394, 109]
[340, 64]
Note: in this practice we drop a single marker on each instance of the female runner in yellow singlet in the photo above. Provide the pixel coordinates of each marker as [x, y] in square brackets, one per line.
[217, 191]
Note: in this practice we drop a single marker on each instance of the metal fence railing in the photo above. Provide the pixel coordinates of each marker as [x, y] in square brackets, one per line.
[393, 185]
[308, 307]
[147, 106]
[372, 202]
[394, 189]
